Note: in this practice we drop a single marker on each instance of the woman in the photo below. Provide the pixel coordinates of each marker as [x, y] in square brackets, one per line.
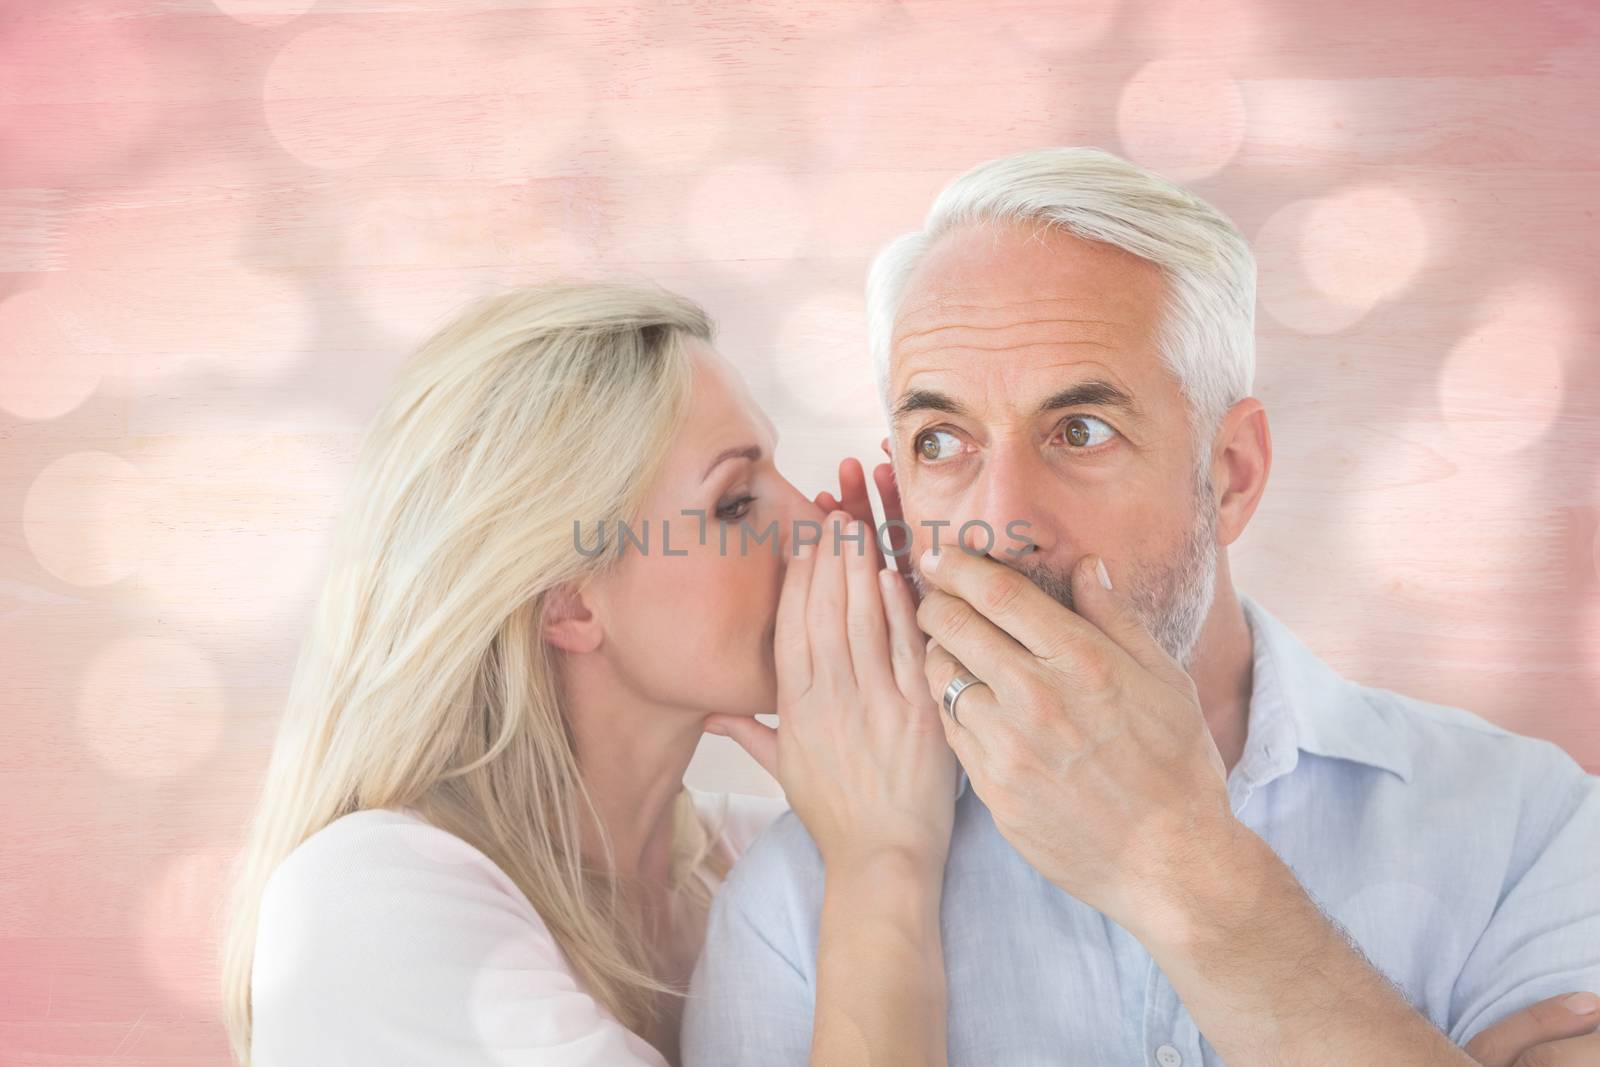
[474, 845]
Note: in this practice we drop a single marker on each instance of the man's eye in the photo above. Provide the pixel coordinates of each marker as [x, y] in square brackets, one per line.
[1077, 433]
[733, 509]
[937, 444]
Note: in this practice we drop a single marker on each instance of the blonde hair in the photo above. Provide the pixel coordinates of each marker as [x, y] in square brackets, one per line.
[423, 681]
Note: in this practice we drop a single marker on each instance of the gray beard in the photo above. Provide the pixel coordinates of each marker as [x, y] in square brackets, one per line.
[1174, 601]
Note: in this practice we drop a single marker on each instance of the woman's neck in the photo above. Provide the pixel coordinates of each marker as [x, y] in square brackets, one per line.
[633, 756]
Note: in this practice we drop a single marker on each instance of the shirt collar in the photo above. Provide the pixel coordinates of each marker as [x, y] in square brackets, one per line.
[1298, 703]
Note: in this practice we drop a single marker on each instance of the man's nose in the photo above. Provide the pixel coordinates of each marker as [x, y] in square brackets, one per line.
[1006, 517]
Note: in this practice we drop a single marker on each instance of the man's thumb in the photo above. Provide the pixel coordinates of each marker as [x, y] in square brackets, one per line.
[1095, 597]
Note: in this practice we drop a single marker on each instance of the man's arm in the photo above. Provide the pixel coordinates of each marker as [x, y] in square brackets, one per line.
[1267, 977]
[1542, 941]
[1087, 743]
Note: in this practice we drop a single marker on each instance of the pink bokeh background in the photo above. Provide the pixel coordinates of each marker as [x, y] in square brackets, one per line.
[225, 223]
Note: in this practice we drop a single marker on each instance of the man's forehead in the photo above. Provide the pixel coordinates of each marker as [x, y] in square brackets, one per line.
[1053, 336]
[968, 321]
[1011, 286]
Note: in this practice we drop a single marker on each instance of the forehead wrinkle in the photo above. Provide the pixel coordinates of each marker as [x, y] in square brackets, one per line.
[1000, 317]
[1015, 345]
[919, 342]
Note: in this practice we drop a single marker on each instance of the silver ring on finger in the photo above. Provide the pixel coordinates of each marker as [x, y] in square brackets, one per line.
[952, 692]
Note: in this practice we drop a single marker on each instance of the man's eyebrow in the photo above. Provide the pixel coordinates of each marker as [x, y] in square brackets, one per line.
[750, 452]
[1095, 392]
[927, 400]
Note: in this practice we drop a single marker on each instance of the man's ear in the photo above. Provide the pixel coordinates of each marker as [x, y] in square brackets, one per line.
[569, 622]
[884, 444]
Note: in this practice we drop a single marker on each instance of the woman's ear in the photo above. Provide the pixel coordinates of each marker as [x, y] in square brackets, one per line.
[569, 622]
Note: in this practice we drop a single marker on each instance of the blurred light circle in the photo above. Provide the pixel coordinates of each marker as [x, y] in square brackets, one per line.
[416, 227]
[666, 106]
[49, 361]
[821, 358]
[323, 97]
[1501, 385]
[1183, 118]
[81, 518]
[879, 102]
[754, 216]
[151, 708]
[1324, 263]
[537, 99]
[1363, 245]
[407, 306]
[238, 525]
[1292, 119]
[182, 925]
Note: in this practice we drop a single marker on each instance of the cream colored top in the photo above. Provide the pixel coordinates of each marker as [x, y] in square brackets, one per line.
[384, 940]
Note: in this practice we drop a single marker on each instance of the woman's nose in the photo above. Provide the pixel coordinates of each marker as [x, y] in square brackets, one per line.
[804, 520]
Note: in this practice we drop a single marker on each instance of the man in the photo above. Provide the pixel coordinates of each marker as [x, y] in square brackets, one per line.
[1181, 837]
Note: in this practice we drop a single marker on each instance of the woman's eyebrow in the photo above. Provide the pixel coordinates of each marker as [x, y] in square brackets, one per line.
[750, 452]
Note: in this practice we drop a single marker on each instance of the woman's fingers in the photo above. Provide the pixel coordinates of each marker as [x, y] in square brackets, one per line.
[854, 500]
[756, 738]
[895, 529]
[825, 606]
[791, 651]
[867, 631]
[906, 640]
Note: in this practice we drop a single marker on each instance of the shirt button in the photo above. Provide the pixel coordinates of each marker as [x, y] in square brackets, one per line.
[1168, 1056]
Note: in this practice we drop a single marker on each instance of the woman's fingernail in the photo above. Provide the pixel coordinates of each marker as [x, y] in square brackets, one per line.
[1100, 570]
[930, 561]
[1582, 1003]
[929, 647]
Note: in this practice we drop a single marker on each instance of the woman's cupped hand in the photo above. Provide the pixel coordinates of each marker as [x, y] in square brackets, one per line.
[859, 748]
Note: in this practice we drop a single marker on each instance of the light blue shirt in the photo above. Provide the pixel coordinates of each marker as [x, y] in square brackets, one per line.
[1462, 858]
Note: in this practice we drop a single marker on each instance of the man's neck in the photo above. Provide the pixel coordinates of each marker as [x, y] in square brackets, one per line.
[1222, 671]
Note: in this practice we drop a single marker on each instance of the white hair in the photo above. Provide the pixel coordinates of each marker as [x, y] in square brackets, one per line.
[1207, 338]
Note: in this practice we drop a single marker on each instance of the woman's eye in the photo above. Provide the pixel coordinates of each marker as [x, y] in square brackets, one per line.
[1078, 434]
[736, 508]
[935, 445]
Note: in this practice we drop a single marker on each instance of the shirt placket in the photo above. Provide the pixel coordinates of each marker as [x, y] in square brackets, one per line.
[1170, 1038]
